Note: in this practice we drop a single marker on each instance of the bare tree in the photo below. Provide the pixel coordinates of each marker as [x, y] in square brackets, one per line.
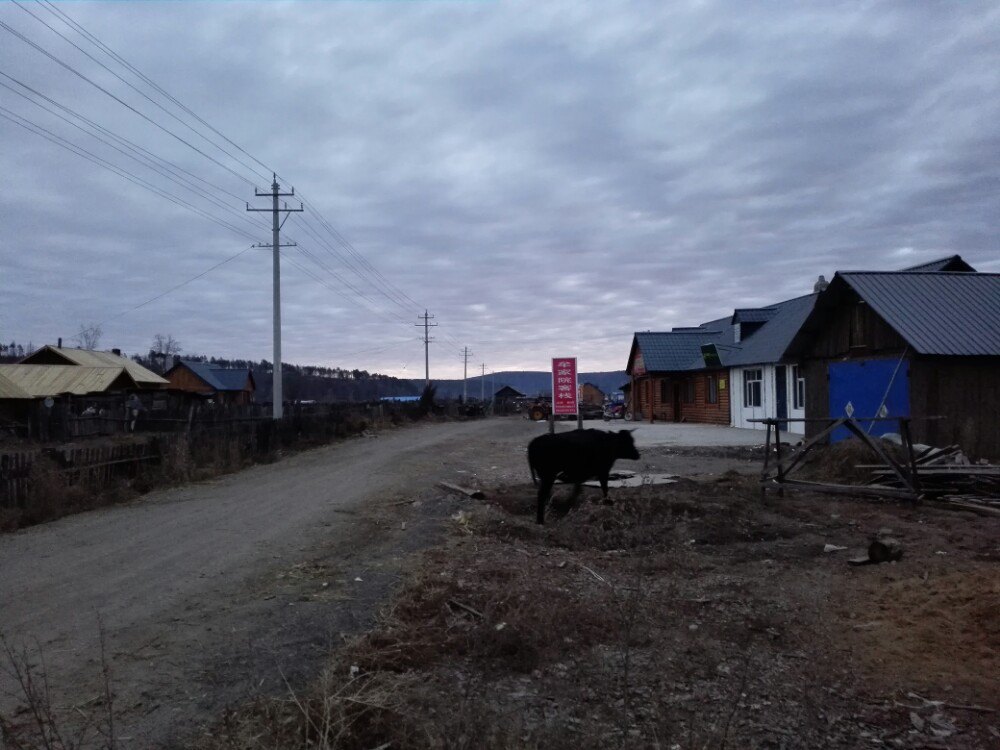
[165, 345]
[88, 337]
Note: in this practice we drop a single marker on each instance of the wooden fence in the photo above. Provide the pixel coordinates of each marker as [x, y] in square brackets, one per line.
[94, 466]
[220, 438]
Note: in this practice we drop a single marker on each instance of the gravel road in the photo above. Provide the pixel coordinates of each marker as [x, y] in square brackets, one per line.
[213, 592]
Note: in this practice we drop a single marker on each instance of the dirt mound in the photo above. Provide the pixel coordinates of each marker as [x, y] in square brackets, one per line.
[947, 625]
[838, 462]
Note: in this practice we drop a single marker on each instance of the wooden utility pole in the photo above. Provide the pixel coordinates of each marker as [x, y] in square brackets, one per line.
[276, 396]
[465, 374]
[427, 340]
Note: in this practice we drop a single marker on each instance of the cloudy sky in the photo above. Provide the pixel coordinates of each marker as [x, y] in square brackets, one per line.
[544, 177]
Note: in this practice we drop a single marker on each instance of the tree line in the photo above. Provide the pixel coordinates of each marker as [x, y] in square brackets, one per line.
[300, 382]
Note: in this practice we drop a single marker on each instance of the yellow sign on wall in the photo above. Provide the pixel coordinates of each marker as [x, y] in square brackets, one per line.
[722, 384]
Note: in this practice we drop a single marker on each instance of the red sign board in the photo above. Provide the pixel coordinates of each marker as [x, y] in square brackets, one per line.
[564, 385]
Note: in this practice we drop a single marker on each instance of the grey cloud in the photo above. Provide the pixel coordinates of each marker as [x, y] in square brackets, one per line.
[667, 161]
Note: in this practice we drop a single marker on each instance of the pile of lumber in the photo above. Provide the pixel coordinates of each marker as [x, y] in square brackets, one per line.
[946, 474]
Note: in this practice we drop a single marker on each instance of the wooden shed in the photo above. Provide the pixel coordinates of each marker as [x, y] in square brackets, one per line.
[592, 395]
[226, 385]
[916, 344]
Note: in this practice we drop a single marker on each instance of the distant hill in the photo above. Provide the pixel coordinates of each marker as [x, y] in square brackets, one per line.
[528, 382]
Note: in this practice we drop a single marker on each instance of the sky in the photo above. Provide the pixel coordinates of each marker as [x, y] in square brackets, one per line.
[543, 178]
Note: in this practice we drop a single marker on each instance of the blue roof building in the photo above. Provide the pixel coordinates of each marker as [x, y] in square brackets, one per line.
[223, 384]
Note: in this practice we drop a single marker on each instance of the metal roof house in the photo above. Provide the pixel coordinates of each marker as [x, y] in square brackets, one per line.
[766, 383]
[56, 355]
[670, 378]
[23, 387]
[227, 385]
[911, 343]
[41, 381]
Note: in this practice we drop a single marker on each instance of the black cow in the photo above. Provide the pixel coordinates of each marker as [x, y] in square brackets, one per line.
[575, 457]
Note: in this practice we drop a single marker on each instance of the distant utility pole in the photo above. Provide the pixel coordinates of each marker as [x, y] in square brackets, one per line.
[276, 409]
[493, 392]
[482, 385]
[465, 374]
[427, 340]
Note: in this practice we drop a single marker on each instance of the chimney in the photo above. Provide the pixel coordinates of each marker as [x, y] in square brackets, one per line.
[821, 284]
[117, 352]
[59, 342]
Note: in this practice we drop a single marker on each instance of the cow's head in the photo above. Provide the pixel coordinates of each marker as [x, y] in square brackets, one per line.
[626, 445]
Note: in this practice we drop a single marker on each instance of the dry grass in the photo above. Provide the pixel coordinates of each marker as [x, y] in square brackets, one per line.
[838, 462]
[37, 724]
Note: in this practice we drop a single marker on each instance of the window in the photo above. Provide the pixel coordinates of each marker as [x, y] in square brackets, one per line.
[664, 391]
[689, 391]
[711, 390]
[752, 387]
[798, 388]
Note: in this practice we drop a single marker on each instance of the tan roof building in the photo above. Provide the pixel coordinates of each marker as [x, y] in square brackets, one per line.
[39, 381]
[56, 355]
[11, 390]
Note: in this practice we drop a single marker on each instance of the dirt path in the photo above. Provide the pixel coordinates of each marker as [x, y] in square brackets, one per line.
[211, 592]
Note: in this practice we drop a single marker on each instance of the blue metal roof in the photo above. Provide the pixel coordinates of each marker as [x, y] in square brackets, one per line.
[678, 351]
[951, 263]
[220, 378]
[754, 314]
[769, 342]
[936, 313]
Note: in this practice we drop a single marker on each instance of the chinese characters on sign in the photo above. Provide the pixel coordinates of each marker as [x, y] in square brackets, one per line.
[564, 385]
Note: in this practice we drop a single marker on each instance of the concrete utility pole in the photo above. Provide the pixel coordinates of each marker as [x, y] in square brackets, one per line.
[427, 340]
[277, 407]
[465, 374]
[482, 385]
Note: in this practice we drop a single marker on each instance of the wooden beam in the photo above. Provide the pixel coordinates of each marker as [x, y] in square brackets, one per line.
[847, 489]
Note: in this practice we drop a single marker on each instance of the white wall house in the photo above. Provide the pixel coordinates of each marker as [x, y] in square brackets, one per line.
[758, 391]
[765, 385]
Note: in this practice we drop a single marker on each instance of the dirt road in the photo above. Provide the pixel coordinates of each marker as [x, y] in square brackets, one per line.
[211, 592]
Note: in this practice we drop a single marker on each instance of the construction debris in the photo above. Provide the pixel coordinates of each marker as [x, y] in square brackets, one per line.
[467, 491]
[879, 551]
[946, 474]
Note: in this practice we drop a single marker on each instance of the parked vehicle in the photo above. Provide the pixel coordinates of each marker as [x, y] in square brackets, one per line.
[542, 408]
[614, 411]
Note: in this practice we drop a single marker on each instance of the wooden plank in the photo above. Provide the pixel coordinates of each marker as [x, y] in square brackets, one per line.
[867, 439]
[847, 489]
[796, 457]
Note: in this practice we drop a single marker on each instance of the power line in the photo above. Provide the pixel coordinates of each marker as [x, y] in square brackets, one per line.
[125, 104]
[111, 134]
[33, 127]
[173, 288]
[367, 267]
[140, 159]
[360, 273]
[360, 266]
[142, 76]
[137, 90]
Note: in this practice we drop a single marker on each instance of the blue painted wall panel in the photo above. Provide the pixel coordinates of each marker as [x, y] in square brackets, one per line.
[863, 384]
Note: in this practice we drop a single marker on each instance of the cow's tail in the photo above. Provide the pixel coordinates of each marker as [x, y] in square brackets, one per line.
[531, 466]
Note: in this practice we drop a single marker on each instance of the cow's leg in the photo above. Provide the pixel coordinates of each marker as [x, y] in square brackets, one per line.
[577, 488]
[604, 489]
[544, 490]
